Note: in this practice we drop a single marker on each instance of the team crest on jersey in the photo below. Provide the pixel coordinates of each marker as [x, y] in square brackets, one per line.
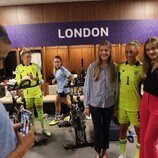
[136, 73]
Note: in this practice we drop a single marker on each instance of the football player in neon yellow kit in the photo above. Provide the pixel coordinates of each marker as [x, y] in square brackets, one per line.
[129, 96]
[33, 95]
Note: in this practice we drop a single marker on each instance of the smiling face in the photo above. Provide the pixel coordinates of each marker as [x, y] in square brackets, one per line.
[57, 63]
[152, 51]
[104, 52]
[131, 51]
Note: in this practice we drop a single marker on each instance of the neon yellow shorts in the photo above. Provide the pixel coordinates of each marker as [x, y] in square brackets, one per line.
[126, 117]
[31, 101]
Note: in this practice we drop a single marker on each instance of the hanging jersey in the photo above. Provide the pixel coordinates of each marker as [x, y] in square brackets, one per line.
[130, 79]
[22, 72]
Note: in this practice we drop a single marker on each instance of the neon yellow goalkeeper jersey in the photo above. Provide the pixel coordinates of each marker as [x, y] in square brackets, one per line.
[22, 72]
[130, 80]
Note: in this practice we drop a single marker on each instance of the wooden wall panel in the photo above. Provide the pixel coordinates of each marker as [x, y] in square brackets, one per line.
[151, 9]
[122, 53]
[8, 15]
[108, 10]
[50, 53]
[75, 59]
[116, 53]
[62, 51]
[29, 14]
[81, 11]
[131, 9]
[56, 12]
[141, 52]
[87, 56]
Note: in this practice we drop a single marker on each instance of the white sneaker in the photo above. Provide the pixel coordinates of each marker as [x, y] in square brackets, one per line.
[122, 156]
[88, 117]
[46, 133]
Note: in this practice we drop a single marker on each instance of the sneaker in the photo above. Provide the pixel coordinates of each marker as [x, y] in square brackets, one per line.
[54, 122]
[88, 117]
[46, 133]
[67, 118]
[122, 156]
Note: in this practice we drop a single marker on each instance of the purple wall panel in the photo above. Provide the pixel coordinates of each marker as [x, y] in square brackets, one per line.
[119, 31]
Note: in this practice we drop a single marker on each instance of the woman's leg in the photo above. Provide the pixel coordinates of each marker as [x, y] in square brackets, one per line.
[39, 107]
[58, 104]
[67, 100]
[96, 118]
[30, 107]
[151, 135]
[137, 130]
[144, 118]
[124, 123]
[57, 110]
[106, 119]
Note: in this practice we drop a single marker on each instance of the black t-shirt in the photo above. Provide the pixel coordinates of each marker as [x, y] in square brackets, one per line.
[151, 83]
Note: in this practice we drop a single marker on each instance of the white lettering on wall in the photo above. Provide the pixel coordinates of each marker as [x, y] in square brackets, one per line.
[83, 32]
[104, 32]
[59, 34]
[69, 33]
[86, 32]
[78, 33]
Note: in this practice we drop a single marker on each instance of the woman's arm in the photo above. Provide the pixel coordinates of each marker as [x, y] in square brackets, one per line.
[117, 86]
[86, 91]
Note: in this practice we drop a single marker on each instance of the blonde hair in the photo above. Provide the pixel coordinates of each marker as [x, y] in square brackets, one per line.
[97, 69]
[25, 51]
[134, 43]
[147, 65]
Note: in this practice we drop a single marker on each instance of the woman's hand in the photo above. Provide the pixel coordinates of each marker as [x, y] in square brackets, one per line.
[53, 81]
[24, 142]
[27, 141]
[86, 111]
[32, 77]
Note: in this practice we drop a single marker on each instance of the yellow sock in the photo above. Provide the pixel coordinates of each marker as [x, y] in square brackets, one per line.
[123, 145]
[137, 150]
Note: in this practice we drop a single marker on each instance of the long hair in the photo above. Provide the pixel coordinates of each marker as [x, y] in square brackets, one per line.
[97, 69]
[57, 57]
[147, 61]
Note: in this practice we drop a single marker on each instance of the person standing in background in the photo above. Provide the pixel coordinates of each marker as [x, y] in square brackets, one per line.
[149, 103]
[33, 96]
[62, 77]
[100, 96]
[131, 73]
